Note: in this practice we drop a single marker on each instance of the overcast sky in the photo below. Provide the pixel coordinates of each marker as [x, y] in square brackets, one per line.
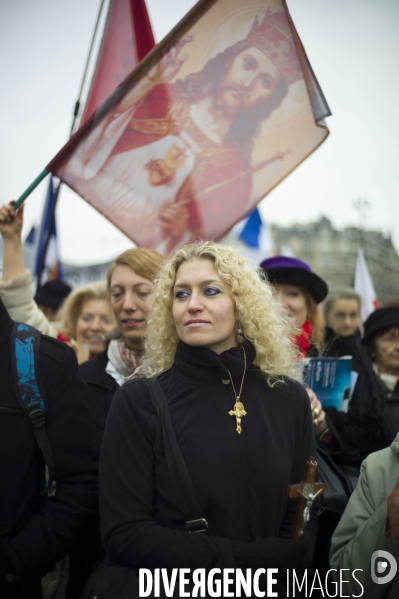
[353, 46]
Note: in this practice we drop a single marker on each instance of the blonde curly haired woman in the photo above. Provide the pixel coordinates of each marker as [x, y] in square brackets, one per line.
[219, 345]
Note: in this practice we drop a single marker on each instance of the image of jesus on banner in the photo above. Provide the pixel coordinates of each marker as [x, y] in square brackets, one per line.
[173, 160]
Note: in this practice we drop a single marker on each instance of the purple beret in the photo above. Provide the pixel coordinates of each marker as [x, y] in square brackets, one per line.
[284, 262]
[292, 271]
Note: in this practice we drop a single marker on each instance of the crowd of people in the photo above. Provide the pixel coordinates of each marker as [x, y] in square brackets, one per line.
[223, 342]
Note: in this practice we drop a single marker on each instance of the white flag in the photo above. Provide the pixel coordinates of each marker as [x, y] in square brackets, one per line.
[364, 286]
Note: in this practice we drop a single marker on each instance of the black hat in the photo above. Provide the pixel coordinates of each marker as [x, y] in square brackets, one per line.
[380, 319]
[292, 271]
[52, 293]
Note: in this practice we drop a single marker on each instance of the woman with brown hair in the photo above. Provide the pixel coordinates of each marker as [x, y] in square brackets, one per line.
[129, 282]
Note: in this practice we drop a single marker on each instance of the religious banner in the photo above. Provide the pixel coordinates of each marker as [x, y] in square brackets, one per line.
[127, 39]
[202, 129]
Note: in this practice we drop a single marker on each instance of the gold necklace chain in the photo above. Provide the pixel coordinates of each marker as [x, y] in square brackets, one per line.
[239, 410]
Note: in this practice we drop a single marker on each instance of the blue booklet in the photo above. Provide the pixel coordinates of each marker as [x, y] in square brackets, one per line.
[331, 380]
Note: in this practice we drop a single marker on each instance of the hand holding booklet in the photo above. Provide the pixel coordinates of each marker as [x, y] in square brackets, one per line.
[332, 379]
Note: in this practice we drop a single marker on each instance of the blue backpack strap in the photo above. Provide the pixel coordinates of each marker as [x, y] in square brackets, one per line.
[29, 391]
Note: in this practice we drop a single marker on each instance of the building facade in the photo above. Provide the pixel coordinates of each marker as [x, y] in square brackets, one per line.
[332, 254]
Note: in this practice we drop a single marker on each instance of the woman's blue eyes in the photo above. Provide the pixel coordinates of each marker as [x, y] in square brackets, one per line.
[208, 291]
[211, 291]
[181, 294]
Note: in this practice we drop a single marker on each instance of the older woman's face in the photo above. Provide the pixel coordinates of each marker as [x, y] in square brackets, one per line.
[343, 317]
[294, 300]
[95, 319]
[386, 350]
[203, 307]
[129, 292]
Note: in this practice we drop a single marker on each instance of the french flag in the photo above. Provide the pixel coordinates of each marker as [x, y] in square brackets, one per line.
[256, 235]
[45, 262]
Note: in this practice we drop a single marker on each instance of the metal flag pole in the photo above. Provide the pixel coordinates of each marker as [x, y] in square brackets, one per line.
[77, 103]
[45, 172]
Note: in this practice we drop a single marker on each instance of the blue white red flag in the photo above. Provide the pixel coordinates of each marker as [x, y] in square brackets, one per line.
[257, 235]
[45, 260]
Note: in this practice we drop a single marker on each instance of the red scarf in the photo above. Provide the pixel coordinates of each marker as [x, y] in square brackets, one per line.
[303, 339]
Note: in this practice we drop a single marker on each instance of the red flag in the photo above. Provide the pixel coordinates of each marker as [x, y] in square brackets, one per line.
[204, 127]
[127, 39]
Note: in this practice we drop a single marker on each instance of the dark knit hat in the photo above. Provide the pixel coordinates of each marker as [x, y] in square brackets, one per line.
[382, 318]
[292, 271]
[52, 293]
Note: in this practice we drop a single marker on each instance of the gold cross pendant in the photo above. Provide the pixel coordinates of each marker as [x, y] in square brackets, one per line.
[238, 412]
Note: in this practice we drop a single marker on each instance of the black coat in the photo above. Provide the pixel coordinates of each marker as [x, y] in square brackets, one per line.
[36, 531]
[240, 480]
[367, 426]
[101, 388]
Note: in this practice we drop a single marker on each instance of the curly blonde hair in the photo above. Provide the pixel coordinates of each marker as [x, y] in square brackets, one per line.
[72, 306]
[262, 318]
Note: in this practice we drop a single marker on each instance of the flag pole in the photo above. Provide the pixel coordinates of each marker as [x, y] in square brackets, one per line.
[45, 172]
[77, 103]
[31, 187]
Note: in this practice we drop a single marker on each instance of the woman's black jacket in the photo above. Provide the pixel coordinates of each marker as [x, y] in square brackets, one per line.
[101, 388]
[367, 426]
[37, 531]
[240, 480]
